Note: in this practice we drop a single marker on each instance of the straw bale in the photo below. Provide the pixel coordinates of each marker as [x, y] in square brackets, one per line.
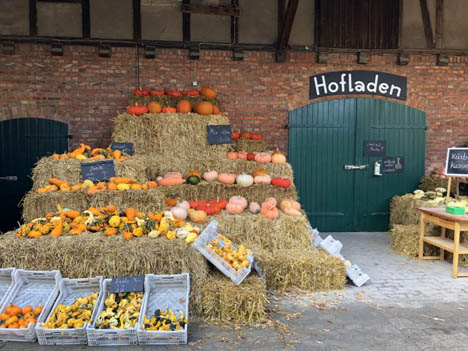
[92, 254]
[143, 200]
[255, 230]
[228, 303]
[306, 268]
[37, 205]
[403, 209]
[168, 101]
[160, 165]
[70, 170]
[213, 190]
[430, 183]
[175, 135]
[250, 145]
[404, 239]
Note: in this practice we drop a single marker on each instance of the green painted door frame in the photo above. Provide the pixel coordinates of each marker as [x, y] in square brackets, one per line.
[326, 136]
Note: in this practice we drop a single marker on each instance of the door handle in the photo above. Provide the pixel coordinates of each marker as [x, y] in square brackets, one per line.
[9, 178]
[354, 167]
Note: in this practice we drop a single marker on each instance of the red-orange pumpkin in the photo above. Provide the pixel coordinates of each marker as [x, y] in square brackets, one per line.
[154, 107]
[216, 110]
[184, 106]
[204, 108]
[169, 110]
[208, 92]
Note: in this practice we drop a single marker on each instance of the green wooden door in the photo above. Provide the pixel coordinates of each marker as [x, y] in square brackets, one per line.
[326, 136]
[23, 142]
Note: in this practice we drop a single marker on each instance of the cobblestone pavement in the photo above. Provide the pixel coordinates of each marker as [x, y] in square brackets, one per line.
[407, 305]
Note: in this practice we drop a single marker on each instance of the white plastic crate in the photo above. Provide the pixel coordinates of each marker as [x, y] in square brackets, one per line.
[69, 291]
[109, 337]
[34, 288]
[164, 292]
[210, 233]
[356, 275]
[332, 246]
[6, 283]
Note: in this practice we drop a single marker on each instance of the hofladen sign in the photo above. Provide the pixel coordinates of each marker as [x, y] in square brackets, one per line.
[358, 82]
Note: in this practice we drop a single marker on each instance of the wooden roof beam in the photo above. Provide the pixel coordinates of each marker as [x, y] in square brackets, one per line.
[286, 26]
[427, 24]
[439, 29]
[211, 10]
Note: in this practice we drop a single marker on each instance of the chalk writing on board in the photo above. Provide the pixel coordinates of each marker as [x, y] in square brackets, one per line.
[98, 171]
[126, 148]
[457, 162]
[219, 134]
[394, 164]
[375, 147]
[127, 284]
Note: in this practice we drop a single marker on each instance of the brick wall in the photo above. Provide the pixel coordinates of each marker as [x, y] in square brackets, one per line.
[87, 91]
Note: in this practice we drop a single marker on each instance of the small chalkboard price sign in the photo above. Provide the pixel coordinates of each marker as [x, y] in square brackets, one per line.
[127, 284]
[393, 164]
[219, 134]
[126, 148]
[99, 171]
[374, 148]
[456, 164]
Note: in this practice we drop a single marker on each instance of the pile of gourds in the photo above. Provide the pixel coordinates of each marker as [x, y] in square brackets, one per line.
[114, 183]
[260, 157]
[164, 321]
[236, 258]
[246, 135]
[84, 152]
[16, 317]
[73, 316]
[130, 223]
[121, 311]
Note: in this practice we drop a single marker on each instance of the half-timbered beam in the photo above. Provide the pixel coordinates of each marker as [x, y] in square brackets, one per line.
[427, 24]
[85, 20]
[136, 19]
[283, 36]
[439, 29]
[32, 18]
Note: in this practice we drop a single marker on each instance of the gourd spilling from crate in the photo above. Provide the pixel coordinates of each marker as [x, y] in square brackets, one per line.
[84, 152]
[121, 311]
[164, 321]
[72, 316]
[236, 258]
[16, 317]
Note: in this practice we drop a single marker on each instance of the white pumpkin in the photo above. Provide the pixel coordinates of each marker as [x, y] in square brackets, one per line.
[244, 180]
[184, 204]
[254, 207]
[179, 212]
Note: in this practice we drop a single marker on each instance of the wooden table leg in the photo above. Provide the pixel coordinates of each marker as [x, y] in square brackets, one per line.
[456, 244]
[421, 236]
[442, 235]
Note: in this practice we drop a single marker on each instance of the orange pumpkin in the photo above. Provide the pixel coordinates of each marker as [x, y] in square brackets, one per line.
[169, 110]
[204, 108]
[231, 155]
[184, 106]
[278, 157]
[208, 92]
[259, 172]
[154, 107]
[216, 110]
[245, 135]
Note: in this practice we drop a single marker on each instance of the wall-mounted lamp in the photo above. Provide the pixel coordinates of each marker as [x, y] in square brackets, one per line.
[238, 54]
[194, 53]
[363, 58]
[8, 48]
[150, 52]
[403, 59]
[56, 49]
[322, 57]
[442, 60]
[104, 51]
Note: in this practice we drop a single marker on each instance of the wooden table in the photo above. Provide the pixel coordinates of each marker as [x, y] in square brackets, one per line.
[437, 216]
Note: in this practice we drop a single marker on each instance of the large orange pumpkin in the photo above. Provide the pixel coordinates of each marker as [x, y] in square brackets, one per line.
[208, 92]
[154, 107]
[184, 106]
[216, 110]
[204, 108]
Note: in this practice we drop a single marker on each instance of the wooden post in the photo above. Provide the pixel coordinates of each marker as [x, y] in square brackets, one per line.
[448, 188]
[421, 236]
[442, 251]
[456, 244]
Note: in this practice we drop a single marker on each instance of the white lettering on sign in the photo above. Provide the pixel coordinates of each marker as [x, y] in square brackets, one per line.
[361, 82]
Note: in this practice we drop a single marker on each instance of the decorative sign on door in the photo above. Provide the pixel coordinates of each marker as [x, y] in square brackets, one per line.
[358, 82]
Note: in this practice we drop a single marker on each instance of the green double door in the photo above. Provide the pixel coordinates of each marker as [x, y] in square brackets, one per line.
[335, 180]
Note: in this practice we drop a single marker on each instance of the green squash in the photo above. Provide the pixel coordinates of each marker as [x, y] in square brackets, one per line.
[193, 180]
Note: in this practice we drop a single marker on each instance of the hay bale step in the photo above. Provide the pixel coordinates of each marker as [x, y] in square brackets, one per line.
[430, 183]
[159, 166]
[214, 190]
[404, 239]
[305, 268]
[403, 210]
[93, 254]
[227, 303]
[253, 230]
[248, 145]
[171, 135]
[70, 170]
[143, 200]
[37, 205]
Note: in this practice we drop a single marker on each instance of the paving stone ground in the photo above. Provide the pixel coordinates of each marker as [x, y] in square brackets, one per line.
[407, 305]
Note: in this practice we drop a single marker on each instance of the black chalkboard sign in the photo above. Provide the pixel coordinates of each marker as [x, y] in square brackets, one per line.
[126, 148]
[393, 164]
[127, 284]
[98, 171]
[220, 134]
[375, 147]
[456, 163]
